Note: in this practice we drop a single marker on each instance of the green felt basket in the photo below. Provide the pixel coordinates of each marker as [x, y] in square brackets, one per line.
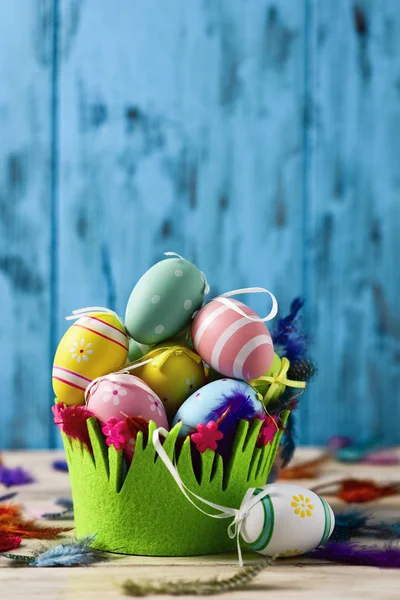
[142, 511]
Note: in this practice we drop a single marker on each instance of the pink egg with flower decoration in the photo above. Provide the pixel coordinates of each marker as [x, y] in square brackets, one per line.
[120, 395]
[233, 342]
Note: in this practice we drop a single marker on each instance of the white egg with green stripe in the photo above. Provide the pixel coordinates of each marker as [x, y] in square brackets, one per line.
[288, 521]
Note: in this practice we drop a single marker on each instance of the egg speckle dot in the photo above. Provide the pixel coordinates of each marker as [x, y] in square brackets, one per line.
[178, 272]
[155, 299]
[187, 304]
[159, 329]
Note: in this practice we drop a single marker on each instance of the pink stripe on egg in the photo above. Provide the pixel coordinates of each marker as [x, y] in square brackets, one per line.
[254, 354]
[231, 350]
[230, 343]
[56, 367]
[214, 320]
[104, 323]
[100, 334]
[225, 338]
[209, 313]
[78, 387]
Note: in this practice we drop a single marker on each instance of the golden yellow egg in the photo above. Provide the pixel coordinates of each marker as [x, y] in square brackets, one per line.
[174, 373]
[94, 345]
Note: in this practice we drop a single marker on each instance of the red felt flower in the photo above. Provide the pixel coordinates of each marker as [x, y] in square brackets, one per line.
[117, 433]
[267, 431]
[9, 542]
[72, 421]
[207, 436]
[122, 434]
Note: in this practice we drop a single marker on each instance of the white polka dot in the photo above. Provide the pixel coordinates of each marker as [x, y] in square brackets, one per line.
[150, 398]
[155, 299]
[159, 329]
[187, 304]
[178, 272]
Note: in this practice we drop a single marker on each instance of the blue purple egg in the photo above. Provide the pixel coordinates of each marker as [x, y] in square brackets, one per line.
[236, 399]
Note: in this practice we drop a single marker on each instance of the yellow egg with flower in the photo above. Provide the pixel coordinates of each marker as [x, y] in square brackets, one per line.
[174, 373]
[94, 345]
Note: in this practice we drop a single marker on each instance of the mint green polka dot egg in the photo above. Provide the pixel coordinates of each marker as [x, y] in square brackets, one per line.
[163, 300]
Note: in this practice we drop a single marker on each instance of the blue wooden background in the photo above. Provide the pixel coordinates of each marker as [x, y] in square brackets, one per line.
[260, 138]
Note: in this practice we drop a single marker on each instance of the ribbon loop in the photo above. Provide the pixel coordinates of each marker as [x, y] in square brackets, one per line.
[250, 499]
[206, 286]
[174, 254]
[128, 368]
[224, 298]
[168, 351]
[81, 312]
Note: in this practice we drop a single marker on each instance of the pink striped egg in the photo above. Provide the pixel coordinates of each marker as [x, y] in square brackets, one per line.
[230, 343]
[121, 395]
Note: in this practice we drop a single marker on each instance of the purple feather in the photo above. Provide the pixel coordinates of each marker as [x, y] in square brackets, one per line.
[60, 465]
[385, 557]
[288, 337]
[14, 476]
[241, 406]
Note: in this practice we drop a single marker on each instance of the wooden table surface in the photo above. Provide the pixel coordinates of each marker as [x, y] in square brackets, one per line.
[287, 579]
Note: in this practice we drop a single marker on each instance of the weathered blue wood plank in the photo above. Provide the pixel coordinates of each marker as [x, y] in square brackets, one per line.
[25, 83]
[354, 210]
[259, 139]
[181, 129]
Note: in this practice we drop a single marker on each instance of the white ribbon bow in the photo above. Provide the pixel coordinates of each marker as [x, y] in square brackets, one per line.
[225, 512]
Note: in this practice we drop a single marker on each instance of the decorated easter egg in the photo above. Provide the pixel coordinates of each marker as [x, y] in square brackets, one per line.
[94, 345]
[121, 395]
[137, 350]
[163, 301]
[174, 373]
[232, 344]
[289, 521]
[227, 399]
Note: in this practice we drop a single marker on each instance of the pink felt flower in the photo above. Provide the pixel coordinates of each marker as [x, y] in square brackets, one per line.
[117, 433]
[267, 431]
[206, 436]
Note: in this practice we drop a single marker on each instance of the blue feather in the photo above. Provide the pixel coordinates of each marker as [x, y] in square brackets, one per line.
[353, 523]
[8, 496]
[60, 465]
[348, 523]
[65, 502]
[71, 554]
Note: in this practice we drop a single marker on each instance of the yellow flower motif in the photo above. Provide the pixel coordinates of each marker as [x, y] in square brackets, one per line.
[302, 506]
[288, 553]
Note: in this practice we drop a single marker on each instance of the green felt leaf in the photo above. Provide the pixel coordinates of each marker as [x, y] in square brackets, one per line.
[143, 511]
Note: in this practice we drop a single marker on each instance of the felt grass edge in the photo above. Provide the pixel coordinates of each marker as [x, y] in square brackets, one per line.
[106, 494]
